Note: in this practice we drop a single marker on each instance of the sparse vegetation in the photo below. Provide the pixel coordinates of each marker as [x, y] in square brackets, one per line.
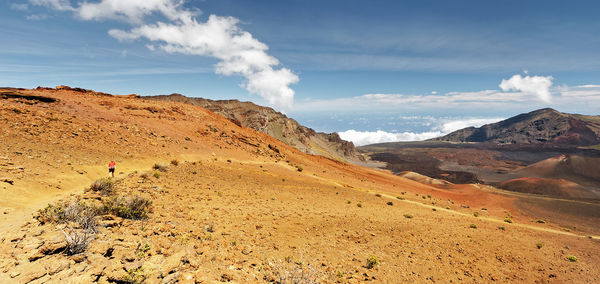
[174, 162]
[372, 262]
[378, 195]
[539, 245]
[399, 197]
[156, 174]
[105, 186]
[77, 212]
[77, 242]
[408, 216]
[135, 276]
[476, 214]
[390, 203]
[572, 258]
[501, 228]
[135, 208]
[299, 168]
[473, 226]
[348, 201]
[359, 205]
[508, 220]
[541, 221]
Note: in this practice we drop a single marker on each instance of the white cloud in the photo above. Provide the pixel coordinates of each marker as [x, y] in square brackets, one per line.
[37, 17]
[443, 127]
[219, 37]
[365, 138]
[60, 5]
[534, 85]
[19, 7]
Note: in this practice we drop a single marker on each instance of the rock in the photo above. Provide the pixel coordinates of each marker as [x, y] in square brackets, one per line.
[56, 265]
[171, 263]
[186, 277]
[7, 180]
[30, 271]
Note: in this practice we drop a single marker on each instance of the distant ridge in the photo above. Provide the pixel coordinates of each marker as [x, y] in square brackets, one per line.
[543, 126]
[276, 124]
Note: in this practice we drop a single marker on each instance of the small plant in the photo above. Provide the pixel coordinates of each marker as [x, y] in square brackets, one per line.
[508, 220]
[572, 258]
[399, 197]
[77, 242]
[476, 214]
[135, 276]
[160, 167]
[448, 207]
[234, 243]
[429, 196]
[144, 175]
[473, 226]
[288, 259]
[174, 162]
[372, 262]
[299, 168]
[390, 203]
[142, 250]
[539, 245]
[501, 228]
[433, 209]
[209, 228]
[105, 186]
[567, 230]
[408, 216]
[359, 205]
[156, 174]
[348, 201]
[378, 195]
[135, 208]
[339, 274]
[541, 221]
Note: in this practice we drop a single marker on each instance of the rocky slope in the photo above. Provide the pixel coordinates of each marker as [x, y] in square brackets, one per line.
[544, 126]
[276, 124]
[199, 199]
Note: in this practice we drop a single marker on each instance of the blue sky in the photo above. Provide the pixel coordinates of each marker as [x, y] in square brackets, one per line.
[333, 65]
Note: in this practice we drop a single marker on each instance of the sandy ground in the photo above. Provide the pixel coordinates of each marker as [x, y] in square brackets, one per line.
[236, 210]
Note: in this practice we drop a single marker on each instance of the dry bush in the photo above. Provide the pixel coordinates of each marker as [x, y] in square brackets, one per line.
[105, 186]
[135, 207]
[77, 212]
[77, 242]
[296, 274]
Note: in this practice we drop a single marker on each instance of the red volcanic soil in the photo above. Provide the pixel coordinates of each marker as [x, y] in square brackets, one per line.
[548, 187]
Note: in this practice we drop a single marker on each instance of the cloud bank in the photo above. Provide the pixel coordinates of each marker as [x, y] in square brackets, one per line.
[360, 138]
[238, 52]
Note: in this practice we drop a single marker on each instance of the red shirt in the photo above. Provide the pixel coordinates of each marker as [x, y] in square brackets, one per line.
[111, 165]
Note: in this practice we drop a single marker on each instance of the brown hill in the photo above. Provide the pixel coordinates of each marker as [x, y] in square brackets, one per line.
[276, 124]
[549, 187]
[544, 126]
[220, 202]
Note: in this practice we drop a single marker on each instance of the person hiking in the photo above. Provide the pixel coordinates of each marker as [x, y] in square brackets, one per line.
[111, 169]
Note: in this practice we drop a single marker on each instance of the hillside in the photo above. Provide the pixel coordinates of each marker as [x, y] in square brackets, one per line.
[276, 124]
[544, 126]
[199, 199]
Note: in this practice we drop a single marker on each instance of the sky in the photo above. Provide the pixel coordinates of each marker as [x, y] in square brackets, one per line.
[374, 71]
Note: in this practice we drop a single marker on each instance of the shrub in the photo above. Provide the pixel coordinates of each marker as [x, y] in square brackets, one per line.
[572, 258]
[299, 168]
[476, 214]
[135, 275]
[135, 208]
[377, 194]
[399, 197]
[105, 186]
[372, 261]
[501, 228]
[539, 245]
[159, 166]
[156, 174]
[541, 221]
[508, 220]
[473, 226]
[76, 212]
[408, 216]
[174, 162]
[359, 204]
[390, 203]
[348, 201]
[76, 242]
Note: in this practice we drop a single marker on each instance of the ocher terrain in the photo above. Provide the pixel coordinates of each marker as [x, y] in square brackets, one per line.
[229, 203]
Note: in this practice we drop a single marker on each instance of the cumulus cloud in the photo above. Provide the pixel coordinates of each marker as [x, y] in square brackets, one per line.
[238, 52]
[534, 85]
[442, 127]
